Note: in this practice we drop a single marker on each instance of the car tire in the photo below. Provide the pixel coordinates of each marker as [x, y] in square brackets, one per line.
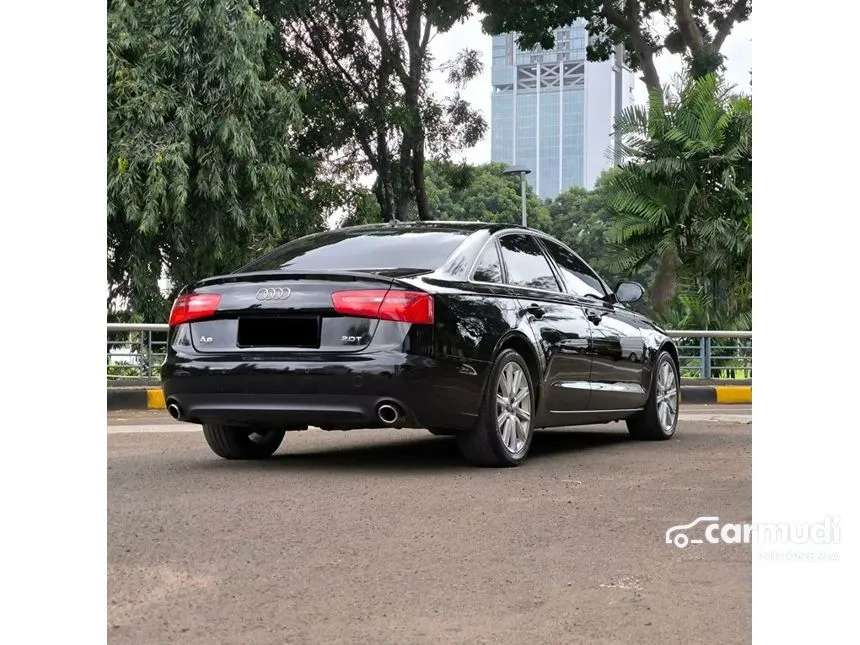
[503, 433]
[659, 420]
[232, 442]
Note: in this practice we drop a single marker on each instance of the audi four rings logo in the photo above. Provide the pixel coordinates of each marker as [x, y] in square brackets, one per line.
[273, 293]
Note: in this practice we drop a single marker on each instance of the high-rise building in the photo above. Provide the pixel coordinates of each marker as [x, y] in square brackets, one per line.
[553, 111]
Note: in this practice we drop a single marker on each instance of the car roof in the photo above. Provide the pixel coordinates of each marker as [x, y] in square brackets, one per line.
[438, 225]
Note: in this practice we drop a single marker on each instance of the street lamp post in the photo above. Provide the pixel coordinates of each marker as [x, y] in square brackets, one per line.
[522, 171]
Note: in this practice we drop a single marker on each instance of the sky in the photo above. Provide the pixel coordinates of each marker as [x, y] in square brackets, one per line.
[737, 50]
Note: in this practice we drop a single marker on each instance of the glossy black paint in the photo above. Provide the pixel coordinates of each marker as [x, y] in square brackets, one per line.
[591, 358]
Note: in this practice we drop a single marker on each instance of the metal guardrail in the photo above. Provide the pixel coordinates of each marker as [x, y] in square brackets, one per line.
[137, 350]
[714, 354]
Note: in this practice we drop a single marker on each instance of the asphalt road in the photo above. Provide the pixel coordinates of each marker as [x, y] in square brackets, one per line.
[385, 536]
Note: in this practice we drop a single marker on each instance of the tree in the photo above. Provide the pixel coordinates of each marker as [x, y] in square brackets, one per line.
[685, 197]
[481, 193]
[366, 64]
[697, 28]
[462, 192]
[578, 217]
[364, 209]
[200, 127]
[581, 219]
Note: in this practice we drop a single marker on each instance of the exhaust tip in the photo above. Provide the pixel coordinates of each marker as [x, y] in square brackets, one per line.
[389, 414]
[174, 410]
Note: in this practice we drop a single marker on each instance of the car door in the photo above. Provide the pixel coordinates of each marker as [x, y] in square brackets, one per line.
[616, 347]
[558, 323]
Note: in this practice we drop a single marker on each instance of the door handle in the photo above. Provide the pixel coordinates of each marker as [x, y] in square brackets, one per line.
[593, 316]
[535, 310]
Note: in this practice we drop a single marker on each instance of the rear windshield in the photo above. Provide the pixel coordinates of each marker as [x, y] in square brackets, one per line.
[362, 251]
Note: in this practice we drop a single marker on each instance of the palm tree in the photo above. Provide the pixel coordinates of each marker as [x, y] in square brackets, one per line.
[685, 194]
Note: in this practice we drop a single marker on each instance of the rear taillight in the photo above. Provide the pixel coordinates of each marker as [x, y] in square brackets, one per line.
[401, 306]
[193, 306]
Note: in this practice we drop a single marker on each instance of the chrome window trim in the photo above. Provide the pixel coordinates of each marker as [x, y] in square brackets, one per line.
[607, 290]
[471, 272]
[494, 238]
[474, 267]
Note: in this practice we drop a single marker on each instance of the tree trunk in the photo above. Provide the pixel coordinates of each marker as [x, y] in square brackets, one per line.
[688, 27]
[630, 24]
[424, 211]
[404, 177]
[649, 70]
[382, 91]
[384, 177]
[704, 54]
[381, 195]
[665, 283]
[737, 13]
[417, 40]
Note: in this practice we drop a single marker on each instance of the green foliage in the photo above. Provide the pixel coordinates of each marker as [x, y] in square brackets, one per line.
[685, 198]
[482, 193]
[693, 310]
[580, 219]
[123, 369]
[364, 209]
[697, 28]
[201, 128]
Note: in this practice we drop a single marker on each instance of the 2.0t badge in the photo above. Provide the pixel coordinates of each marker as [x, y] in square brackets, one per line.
[273, 293]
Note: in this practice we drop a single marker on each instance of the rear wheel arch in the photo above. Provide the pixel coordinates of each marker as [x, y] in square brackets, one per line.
[520, 344]
[503, 431]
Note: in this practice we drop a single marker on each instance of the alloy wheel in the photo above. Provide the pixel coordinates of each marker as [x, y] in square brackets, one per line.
[513, 407]
[667, 396]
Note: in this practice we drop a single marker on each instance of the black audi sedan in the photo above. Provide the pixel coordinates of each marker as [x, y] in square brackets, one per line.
[481, 331]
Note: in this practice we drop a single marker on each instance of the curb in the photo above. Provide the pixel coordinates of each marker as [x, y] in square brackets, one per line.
[716, 394]
[143, 398]
[135, 398]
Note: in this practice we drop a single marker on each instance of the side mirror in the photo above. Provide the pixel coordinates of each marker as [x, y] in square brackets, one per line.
[629, 291]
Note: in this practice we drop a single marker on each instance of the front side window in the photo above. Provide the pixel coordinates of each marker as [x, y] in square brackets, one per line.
[579, 278]
[488, 268]
[526, 264]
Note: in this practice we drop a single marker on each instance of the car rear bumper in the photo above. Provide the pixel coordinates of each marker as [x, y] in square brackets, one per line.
[332, 392]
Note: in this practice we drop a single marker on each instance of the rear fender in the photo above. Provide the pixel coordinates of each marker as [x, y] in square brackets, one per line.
[523, 341]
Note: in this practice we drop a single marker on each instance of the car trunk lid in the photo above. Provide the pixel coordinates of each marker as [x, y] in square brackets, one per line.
[281, 311]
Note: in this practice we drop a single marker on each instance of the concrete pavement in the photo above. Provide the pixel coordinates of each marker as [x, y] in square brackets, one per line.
[386, 536]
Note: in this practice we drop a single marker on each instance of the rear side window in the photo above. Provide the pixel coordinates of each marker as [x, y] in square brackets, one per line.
[580, 279]
[488, 268]
[362, 251]
[526, 264]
